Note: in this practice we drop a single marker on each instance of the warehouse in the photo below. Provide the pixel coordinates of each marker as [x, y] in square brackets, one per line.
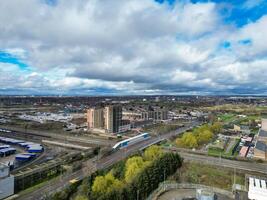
[257, 189]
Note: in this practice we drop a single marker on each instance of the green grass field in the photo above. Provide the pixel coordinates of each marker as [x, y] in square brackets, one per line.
[209, 175]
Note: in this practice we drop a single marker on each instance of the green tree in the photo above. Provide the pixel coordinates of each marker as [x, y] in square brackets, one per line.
[204, 137]
[153, 153]
[216, 127]
[189, 140]
[104, 184]
[81, 197]
[133, 166]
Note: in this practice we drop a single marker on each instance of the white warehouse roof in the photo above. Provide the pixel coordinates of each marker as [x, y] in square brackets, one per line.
[257, 189]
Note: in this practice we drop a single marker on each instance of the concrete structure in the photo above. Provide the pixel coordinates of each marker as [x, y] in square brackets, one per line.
[6, 182]
[204, 194]
[113, 118]
[108, 119]
[257, 189]
[95, 118]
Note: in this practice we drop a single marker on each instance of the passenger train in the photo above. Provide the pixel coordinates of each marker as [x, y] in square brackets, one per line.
[125, 143]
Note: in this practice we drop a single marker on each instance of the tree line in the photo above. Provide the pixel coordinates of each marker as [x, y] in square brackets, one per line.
[131, 179]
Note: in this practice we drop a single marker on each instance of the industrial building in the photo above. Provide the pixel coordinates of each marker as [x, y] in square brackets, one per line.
[6, 182]
[257, 189]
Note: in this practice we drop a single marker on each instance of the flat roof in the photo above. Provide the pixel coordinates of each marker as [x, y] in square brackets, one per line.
[243, 151]
[260, 146]
[262, 133]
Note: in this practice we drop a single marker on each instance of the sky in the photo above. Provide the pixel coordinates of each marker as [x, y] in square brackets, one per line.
[133, 47]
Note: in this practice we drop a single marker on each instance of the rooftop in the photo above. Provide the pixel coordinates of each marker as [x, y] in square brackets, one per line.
[262, 133]
[260, 146]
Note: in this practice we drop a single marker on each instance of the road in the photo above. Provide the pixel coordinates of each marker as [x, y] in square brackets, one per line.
[90, 167]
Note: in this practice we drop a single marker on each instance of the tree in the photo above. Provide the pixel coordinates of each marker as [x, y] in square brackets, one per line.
[81, 197]
[153, 153]
[204, 136]
[216, 127]
[104, 184]
[133, 166]
[189, 140]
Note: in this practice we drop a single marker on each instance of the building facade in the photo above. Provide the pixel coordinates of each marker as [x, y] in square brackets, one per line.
[6, 182]
[107, 120]
[113, 118]
[157, 115]
[95, 118]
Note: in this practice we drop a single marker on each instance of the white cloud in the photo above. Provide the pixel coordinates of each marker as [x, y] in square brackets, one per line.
[132, 48]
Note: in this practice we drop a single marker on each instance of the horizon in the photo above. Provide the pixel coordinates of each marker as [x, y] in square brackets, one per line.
[153, 48]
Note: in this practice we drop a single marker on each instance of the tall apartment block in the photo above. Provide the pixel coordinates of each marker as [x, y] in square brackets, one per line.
[108, 118]
[113, 118]
[95, 118]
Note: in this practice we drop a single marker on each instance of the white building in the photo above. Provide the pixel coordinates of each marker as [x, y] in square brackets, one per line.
[257, 189]
[6, 182]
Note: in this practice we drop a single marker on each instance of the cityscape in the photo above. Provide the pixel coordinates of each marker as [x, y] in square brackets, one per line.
[133, 100]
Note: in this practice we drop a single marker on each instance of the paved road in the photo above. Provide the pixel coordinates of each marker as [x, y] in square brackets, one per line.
[90, 166]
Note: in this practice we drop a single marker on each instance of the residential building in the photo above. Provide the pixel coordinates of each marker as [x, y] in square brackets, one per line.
[108, 119]
[125, 126]
[157, 115]
[6, 182]
[113, 118]
[95, 118]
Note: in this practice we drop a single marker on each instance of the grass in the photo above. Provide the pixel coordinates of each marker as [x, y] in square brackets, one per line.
[226, 118]
[210, 175]
[217, 152]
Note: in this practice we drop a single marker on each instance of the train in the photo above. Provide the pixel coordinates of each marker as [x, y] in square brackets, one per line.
[125, 143]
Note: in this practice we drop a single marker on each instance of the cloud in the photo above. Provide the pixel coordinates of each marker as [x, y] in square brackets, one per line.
[85, 47]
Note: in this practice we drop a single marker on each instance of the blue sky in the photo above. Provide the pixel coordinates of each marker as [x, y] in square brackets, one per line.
[154, 47]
